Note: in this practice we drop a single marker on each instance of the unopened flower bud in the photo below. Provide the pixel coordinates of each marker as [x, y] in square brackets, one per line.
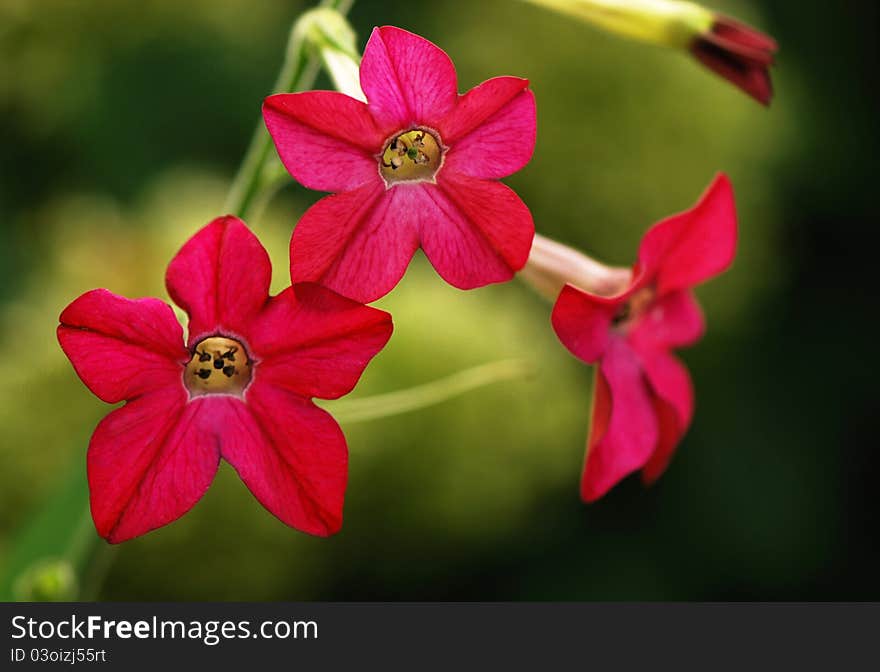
[328, 31]
[48, 580]
[732, 49]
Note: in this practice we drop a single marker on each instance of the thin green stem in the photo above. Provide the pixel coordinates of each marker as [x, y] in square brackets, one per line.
[59, 556]
[428, 394]
[298, 73]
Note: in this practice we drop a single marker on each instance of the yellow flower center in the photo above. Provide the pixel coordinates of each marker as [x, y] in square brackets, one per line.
[219, 365]
[412, 156]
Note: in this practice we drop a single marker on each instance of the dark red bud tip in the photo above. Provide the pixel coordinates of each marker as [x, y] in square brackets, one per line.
[740, 54]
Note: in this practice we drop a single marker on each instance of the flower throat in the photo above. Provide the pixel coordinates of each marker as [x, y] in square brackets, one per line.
[412, 156]
[219, 365]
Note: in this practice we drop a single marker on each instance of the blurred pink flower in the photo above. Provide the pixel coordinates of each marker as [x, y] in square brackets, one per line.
[240, 389]
[416, 166]
[643, 398]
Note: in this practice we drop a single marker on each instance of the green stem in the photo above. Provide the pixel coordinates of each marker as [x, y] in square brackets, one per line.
[52, 553]
[298, 73]
[59, 556]
[428, 394]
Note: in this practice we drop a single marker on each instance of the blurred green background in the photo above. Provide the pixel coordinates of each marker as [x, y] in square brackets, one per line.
[122, 126]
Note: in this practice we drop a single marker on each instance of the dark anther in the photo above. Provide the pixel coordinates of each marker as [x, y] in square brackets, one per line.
[622, 315]
[218, 363]
[229, 371]
[230, 354]
[204, 374]
[203, 356]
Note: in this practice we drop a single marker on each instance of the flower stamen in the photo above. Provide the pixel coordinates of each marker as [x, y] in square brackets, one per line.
[411, 156]
[219, 365]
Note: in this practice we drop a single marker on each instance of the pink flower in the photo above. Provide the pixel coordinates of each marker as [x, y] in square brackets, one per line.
[416, 166]
[643, 398]
[240, 389]
[739, 53]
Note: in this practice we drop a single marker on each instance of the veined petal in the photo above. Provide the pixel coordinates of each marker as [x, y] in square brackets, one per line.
[149, 462]
[407, 80]
[624, 431]
[315, 342]
[491, 132]
[122, 348]
[357, 243]
[691, 247]
[292, 456]
[220, 278]
[474, 232]
[326, 140]
[582, 322]
[673, 320]
[673, 403]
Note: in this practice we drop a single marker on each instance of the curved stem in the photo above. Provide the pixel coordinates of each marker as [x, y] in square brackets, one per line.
[298, 73]
[428, 394]
[59, 556]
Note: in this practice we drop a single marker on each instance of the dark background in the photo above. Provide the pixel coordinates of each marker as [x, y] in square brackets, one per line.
[122, 126]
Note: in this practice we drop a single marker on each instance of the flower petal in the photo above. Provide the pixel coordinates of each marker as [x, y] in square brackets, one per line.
[674, 405]
[745, 37]
[671, 382]
[220, 278]
[691, 247]
[491, 132]
[408, 80]
[315, 342]
[748, 74]
[582, 322]
[673, 320]
[670, 434]
[739, 53]
[326, 140]
[122, 348]
[149, 462]
[624, 431]
[474, 232]
[292, 456]
[357, 243]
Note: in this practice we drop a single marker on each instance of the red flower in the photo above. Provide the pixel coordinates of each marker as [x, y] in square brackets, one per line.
[240, 389]
[740, 54]
[643, 399]
[415, 167]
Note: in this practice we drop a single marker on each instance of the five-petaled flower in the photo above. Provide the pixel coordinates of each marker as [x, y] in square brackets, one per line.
[739, 53]
[643, 398]
[416, 166]
[240, 389]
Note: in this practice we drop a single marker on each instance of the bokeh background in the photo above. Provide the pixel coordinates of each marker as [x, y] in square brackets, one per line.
[122, 126]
